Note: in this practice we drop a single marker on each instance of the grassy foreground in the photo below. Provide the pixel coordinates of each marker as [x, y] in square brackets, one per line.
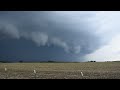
[90, 70]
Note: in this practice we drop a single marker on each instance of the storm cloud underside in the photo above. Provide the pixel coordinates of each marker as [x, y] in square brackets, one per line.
[52, 35]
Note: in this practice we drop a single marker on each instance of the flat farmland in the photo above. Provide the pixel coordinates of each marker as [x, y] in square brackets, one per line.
[82, 70]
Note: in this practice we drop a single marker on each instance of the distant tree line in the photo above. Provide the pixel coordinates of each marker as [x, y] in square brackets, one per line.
[91, 61]
[5, 62]
[50, 61]
[20, 61]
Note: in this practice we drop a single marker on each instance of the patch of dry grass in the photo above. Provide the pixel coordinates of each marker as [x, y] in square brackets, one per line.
[91, 70]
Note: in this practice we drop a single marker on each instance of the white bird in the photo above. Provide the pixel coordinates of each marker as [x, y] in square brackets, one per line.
[5, 69]
[81, 73]
[34, 71]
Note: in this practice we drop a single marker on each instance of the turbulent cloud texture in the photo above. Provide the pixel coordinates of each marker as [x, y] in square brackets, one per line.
[78, 35]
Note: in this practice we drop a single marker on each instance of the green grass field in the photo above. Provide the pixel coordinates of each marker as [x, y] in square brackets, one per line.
[90, 70]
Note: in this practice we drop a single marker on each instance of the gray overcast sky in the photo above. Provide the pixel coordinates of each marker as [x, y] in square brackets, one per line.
[60, 35]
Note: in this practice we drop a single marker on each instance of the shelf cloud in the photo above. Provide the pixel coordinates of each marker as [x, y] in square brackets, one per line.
[72, 35]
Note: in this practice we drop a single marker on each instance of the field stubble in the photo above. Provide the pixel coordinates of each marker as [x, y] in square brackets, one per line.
[90, 70]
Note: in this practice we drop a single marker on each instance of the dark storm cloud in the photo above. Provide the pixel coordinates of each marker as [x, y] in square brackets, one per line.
[72, 32]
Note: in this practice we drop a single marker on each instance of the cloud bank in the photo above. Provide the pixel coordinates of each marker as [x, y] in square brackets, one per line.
[83, 34]
[110, 35]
